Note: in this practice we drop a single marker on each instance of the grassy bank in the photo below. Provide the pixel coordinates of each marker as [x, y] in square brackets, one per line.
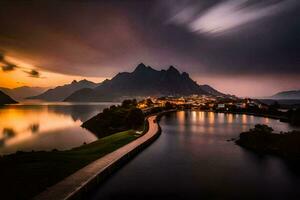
[25, 174]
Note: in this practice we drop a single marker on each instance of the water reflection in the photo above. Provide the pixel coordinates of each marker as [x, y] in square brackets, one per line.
[266, 120]
[209, 122]
[229, 118]
[211, 117]
[34, 128]
[244, 119]
[6, 134]
[192, 159]
[44, 127]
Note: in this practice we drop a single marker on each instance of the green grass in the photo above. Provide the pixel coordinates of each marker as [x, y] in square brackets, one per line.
[24, 175]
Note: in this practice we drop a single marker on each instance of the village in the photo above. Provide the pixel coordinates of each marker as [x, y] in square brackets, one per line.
[206, 103]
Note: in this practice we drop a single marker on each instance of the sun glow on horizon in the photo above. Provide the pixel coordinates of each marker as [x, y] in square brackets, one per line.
[19, 76]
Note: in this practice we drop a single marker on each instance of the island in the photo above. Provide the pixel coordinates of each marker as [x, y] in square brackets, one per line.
[262, 139]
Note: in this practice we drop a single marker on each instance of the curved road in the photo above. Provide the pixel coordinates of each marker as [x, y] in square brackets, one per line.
[77, 182]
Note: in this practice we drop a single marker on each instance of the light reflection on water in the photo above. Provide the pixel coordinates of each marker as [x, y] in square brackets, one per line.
[45, 126]
[192, 159]
[211, 121]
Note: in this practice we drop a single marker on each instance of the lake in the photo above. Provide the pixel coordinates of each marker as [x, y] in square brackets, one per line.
[45, 126]
[192, 159]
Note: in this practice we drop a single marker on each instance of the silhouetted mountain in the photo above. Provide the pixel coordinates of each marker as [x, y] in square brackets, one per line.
[143, 81]
[211, 90]
[292, 94]
[61, 92]
[20, 93]
[5, 99]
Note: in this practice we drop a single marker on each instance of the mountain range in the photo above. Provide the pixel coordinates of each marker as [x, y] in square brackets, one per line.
[143, 81]
[23, 92]
[292, 94]
[59, 93]
[5, 99]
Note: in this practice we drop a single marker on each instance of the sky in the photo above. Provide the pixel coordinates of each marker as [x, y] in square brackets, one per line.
[241, 47]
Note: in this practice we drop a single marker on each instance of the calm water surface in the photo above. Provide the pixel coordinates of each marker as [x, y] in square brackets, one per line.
[45, 126]
[192, 159]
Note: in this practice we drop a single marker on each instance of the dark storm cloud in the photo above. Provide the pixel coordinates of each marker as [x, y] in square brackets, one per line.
[8, 67]
[33, 73]
[241, 37]
[5, 65]
[203, 37]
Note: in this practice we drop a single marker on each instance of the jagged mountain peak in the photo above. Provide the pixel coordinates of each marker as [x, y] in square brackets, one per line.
[85, 81]
[141, 65]
[173, 69]
[142, 68]
[185, 75]
[81, 82]
[59, 93]
[143, 81]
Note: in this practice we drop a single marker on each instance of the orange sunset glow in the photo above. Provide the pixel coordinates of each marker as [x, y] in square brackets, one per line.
[161, 99]
[18, 77]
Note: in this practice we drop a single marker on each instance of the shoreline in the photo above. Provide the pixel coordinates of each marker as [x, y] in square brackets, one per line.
[118, 163]
[76, 185]
[258, 115]
[280, 118]
[36, 171]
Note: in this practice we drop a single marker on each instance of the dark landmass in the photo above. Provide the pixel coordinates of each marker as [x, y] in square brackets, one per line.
[116, 119]
[282, 102]
[210, 90]
[23, 92]
[293, 116]
[26, 174]
[61, 92]
[292, 94]
[261, 139]
[142, 82]
[5, 99]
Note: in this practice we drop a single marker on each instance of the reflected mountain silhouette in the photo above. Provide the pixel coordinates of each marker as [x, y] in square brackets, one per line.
[78, 112]
[293, 166]
[7, 133]
[41, 125]
[34, 128]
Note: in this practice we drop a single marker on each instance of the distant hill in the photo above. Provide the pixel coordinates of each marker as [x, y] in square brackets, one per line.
[210, 90]
[5, 99]
[292, 94]
[61, 92]
[20, 93]
[143, 81]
